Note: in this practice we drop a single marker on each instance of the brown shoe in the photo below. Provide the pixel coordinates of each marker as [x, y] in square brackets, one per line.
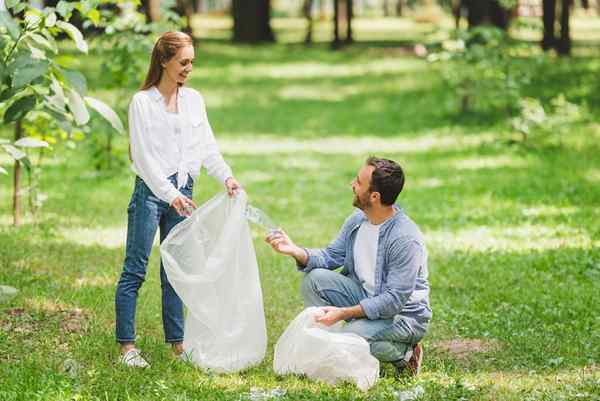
[415, 361]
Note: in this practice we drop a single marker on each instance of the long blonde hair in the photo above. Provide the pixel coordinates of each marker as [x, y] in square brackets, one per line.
[164, 49]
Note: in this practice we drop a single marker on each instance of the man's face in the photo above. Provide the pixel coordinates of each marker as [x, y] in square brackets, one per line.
[360, 187]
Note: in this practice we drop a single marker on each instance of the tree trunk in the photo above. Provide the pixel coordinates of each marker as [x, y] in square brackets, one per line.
[307, 12]
[251, 21]
[336, 24]
[386, 8]
[456, 12]
[151, 9]
[549, 18]
[399, 8]
[185, 8]
[17, 180]
[486, 12]
[563, 47]
[349, 16]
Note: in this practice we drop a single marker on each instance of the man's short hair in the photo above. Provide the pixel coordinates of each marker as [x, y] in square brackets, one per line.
[387, 179]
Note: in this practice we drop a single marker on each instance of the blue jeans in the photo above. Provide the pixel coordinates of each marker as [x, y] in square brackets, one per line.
[389, 339]
[146, 213]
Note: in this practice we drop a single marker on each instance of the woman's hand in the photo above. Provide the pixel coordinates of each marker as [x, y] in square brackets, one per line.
[184, 206]
[232, 186]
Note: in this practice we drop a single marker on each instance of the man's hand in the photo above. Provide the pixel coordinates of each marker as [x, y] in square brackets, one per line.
[281, 243]
[332, 315]
[232, 186]
[184, 206]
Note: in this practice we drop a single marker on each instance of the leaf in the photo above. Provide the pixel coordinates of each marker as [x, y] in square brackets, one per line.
[7, 21]
[31, 142]
[77, 106]
[58, 99]
[40, 40]
[75, 34]
[19, 109]
[64, 8]
[14, 152]
[8, 93]
[12, 3]
[3, 171]
[76, 80]
[50, 20]
[106, 112]
[36, 53]
[94, 16]
[29, 72]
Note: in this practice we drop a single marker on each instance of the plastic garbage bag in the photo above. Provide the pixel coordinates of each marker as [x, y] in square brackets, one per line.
[210, 261]
[324, 353]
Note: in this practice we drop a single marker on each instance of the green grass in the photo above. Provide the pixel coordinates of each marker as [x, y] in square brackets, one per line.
[512, 232]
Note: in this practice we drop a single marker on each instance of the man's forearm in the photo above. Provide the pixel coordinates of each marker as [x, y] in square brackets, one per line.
[353, 312]
[301, 256]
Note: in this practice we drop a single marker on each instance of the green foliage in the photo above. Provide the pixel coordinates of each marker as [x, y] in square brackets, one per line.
[484, 69]
[537, 124]
[34, 80]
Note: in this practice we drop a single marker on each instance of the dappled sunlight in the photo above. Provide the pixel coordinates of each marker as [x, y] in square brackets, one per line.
[254, 176]
[592, 175]
[518, 381]
[94, 281]
[425, 183]
[481, 162]
[107, 237]
[262, 144]
[304, 92]
[302, 70]
[548, 211]
[512, 238]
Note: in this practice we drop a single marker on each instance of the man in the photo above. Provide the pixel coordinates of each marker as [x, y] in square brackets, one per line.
[383, 290]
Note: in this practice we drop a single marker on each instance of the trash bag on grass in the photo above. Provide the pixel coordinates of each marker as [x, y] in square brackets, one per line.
[324, 353]
[210, 261]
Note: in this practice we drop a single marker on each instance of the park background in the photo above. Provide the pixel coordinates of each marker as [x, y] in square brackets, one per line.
[491, 108]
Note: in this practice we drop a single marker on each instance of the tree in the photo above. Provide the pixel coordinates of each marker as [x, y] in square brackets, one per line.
[561, 42]
[492, 12]
[38, 92]
[342, 14]
[252, 21]
[307, 12]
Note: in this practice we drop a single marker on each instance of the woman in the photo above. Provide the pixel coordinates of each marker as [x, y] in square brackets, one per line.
[170, 139]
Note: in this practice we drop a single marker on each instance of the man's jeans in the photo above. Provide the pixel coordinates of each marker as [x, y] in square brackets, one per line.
[389, 339]
[146, 213]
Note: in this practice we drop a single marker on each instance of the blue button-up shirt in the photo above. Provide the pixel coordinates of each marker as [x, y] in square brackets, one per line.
[401, 276]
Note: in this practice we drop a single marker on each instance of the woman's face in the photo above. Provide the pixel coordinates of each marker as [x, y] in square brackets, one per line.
[179, 67]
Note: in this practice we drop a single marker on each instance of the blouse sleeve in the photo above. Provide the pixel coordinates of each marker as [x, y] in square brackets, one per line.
[144, 156]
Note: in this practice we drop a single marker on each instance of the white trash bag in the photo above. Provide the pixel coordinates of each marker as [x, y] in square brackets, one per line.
[324, 353]
[210, 261]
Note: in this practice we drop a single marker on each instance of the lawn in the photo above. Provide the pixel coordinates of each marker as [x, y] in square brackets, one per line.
[512, 232]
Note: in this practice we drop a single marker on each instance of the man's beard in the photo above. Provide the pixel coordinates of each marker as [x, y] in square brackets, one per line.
[362, 204]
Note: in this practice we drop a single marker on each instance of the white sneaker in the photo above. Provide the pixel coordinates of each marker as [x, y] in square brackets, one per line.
[134, 358]
[185, 356]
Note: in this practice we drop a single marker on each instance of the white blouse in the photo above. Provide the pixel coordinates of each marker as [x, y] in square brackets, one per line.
[160, 148]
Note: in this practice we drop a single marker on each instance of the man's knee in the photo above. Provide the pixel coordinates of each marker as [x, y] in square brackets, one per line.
[314, 278]
[311, 283]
